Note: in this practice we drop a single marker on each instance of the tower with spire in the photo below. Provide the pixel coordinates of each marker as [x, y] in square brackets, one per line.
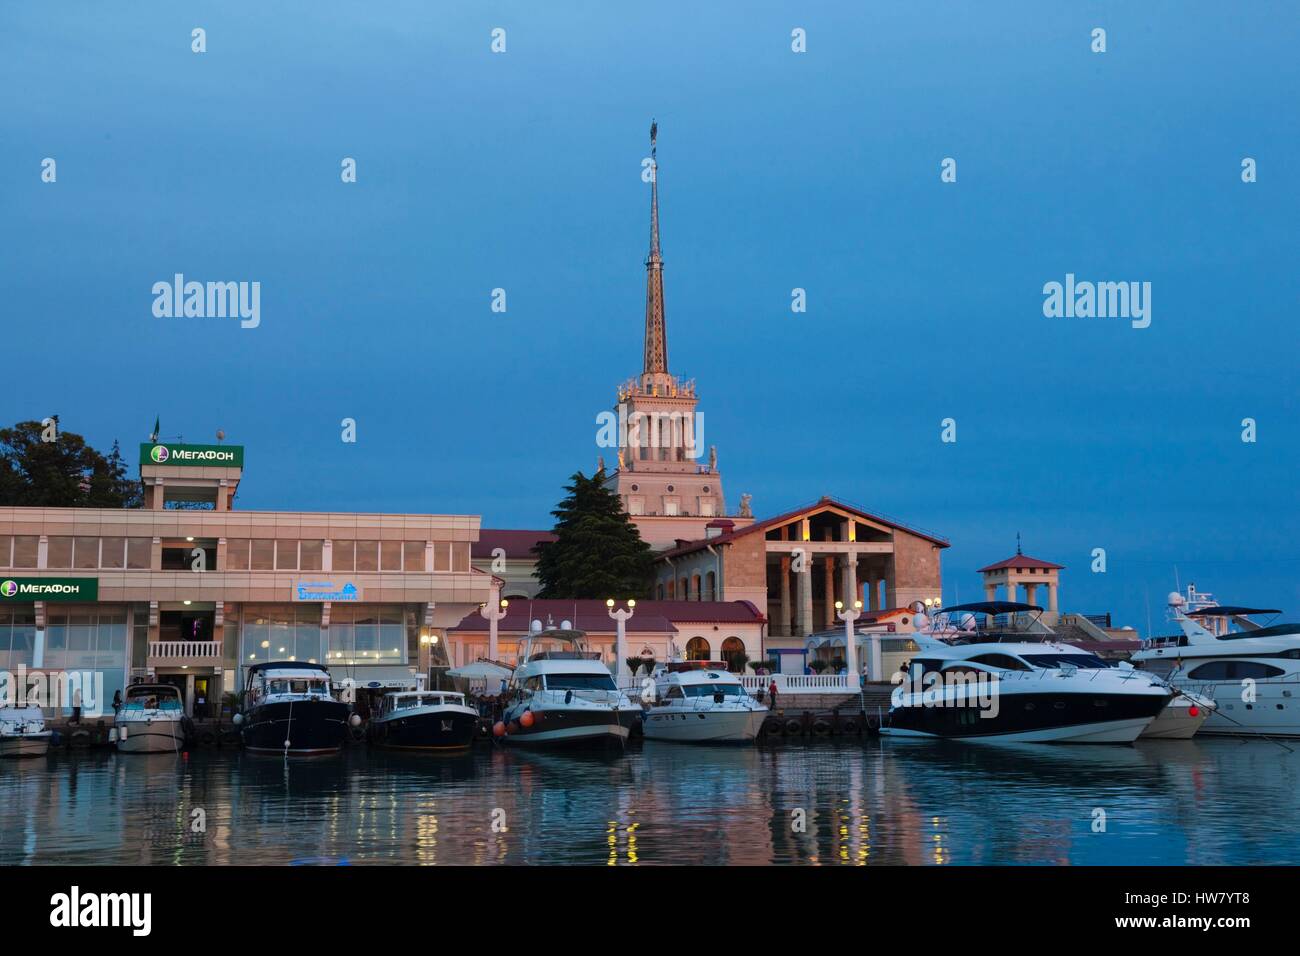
[667, 477]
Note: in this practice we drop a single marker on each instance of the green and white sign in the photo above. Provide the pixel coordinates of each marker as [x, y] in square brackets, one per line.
[219, 456]
[13, 590]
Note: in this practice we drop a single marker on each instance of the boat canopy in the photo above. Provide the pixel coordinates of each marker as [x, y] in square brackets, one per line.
[1231, 611]
[991, 608]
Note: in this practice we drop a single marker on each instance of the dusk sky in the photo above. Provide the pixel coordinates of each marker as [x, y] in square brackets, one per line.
[778, 170]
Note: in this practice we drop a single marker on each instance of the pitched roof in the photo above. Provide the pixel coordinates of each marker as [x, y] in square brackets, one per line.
[593, 615]
[515, 543]
[780, 519]
[1020, 562]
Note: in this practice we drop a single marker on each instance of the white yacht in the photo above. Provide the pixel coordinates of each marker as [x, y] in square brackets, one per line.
[701, 702]
[152, 720]
[1252, 673]
[562, 694]
[989, 685]
[23, 733]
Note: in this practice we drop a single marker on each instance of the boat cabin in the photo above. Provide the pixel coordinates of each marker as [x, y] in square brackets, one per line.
[412, 699]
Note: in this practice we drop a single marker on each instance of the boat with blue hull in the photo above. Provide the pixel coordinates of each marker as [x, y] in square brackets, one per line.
[291, 710]
[435, 720]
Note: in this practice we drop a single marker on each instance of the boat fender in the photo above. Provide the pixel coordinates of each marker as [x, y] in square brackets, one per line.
[526, 719]
[821, 727]
[498, 729]
[772, 726]
[794, 726]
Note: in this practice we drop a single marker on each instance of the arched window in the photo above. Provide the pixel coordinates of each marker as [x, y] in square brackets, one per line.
[697, 649]
[711, 586]
[685, 589]
[732, 648]
[695, 587]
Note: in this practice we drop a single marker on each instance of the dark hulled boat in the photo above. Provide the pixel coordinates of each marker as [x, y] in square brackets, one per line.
[290, 710]
[424, 720]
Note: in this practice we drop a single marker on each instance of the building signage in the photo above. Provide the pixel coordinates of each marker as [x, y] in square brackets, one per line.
[221, 456]
[325, 590]
[13, 590]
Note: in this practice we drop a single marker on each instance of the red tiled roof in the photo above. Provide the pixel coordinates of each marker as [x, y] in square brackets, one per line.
[1020, 562]
[516, 544]
[766, 523]
[593, 615]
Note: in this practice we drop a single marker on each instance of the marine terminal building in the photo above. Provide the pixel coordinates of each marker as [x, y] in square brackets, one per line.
[191, 597]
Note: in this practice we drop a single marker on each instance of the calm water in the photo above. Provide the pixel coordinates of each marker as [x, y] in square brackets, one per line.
[866, 802]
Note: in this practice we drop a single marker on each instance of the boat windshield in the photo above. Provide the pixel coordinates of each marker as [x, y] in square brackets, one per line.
[579, 682]
[708, 690]
[316, 687]
[152, 703]
[1084, 661]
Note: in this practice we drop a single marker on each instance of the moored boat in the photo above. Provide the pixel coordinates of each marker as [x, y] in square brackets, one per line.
[563, 695]
[701, 702]
[424, 720]
[290, 709]
[23, 733]
[152, 720]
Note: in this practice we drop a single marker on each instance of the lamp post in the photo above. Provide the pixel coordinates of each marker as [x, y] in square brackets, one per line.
[620, 643]
[848, 616]
[494, 613]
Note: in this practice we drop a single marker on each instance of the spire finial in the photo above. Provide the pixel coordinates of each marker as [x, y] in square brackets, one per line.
[1018, 552]
[656, 333]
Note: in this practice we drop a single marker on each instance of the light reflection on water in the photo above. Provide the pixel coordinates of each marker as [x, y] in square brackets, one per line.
[861, 802]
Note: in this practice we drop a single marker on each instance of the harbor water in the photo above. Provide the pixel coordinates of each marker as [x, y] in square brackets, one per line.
[835, 802]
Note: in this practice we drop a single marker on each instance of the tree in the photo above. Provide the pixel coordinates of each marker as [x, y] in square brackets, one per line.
[44, 467]
[597, 551]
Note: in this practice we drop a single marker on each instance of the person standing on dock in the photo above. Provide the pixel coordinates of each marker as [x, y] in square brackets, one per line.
[771, 693]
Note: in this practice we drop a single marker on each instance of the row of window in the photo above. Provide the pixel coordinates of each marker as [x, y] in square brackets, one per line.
[374, 634]
[242, 554]
[693, 589]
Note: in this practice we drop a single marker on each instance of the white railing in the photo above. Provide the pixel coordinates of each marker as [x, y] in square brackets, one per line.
[173, 650]
[800, 683]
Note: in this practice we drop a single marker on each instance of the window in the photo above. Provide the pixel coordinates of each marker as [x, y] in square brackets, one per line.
[706, 507]
[670, 506]
[697, 649]
[344, 555]
[309, 555]
[87, 639]
[237, 554]
[286, 555]
[636, 504]
[1235, 670]
[733, 649]
[262, 555]
[390, 556]
[279, 632]
[25, 550]
[367, 556]
[442, 556]
[708, 690]
[58, 552]
[413, 555]
[1002, 661]
[6, 550]
[85, 552]
[460, 556]
[368, 635]
[1085, 661]
[579, 682]
[139, 552]
[113, 553]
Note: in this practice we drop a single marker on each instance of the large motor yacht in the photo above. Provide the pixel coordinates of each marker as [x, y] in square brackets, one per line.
[290, 710]
[985, 684]
[1251, 672]
[562, 694]
[701, 702]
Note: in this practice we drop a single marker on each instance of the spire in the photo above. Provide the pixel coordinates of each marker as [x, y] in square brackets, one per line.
[656, 332]
[1018, 551]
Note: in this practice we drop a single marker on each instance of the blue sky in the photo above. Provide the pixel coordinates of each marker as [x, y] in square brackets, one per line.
[778, 170]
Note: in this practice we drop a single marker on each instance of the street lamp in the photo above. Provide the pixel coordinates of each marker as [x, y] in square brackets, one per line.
[493, 614]
[620, 643]
[848, 616]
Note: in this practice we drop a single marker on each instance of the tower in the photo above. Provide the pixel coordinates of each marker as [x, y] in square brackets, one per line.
[667, 483]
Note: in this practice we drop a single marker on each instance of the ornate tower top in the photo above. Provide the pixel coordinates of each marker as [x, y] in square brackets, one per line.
[655, 371]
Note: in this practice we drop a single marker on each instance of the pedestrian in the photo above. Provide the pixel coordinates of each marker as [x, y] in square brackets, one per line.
[771, 694]
[117, 703]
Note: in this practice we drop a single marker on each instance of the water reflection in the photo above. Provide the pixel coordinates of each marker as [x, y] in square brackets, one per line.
[858, 803]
